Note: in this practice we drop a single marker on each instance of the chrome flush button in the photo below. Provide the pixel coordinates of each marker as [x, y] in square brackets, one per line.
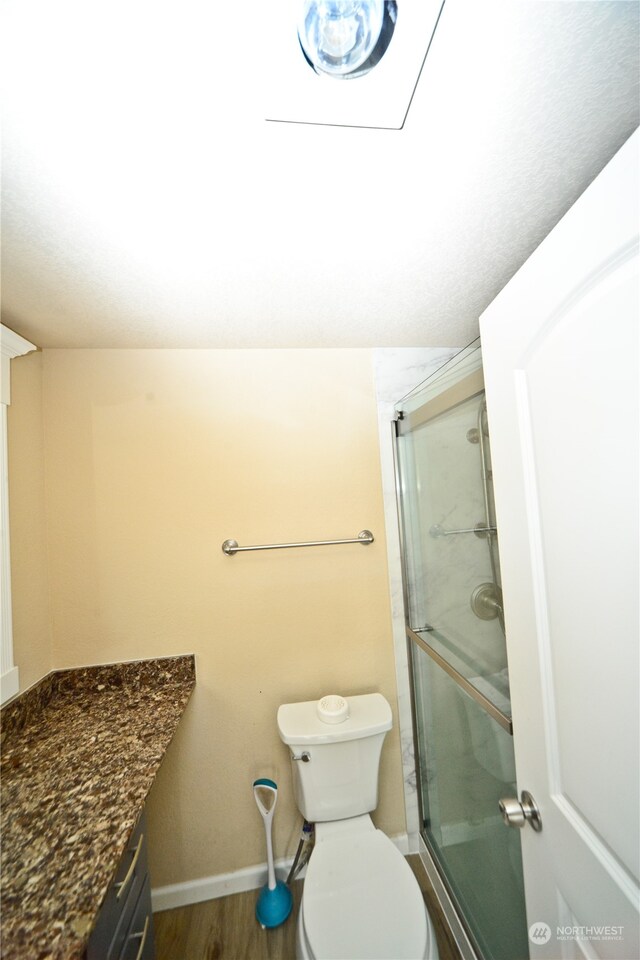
[332, 709]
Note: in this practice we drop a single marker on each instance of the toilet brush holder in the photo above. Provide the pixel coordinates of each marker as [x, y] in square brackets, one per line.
[275, 900]
[274, 906]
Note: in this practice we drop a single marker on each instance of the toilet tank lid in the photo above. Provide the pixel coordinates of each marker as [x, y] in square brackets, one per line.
[369, 713]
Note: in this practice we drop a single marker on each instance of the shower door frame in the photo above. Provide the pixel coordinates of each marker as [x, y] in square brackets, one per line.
[466, 388]
[470, 386]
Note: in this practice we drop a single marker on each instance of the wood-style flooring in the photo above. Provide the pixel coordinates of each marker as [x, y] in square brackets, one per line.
[227, 929]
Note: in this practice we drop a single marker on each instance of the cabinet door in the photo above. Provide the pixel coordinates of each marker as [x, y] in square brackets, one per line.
[120, 902]
[138, 943]
[560, 350]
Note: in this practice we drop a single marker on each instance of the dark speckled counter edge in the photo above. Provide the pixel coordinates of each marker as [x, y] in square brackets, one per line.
[25, 707]
[81, 750]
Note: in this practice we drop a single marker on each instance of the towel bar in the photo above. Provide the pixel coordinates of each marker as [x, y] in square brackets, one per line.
[231, 546]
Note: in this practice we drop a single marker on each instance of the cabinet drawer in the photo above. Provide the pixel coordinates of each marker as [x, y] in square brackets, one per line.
[138, 943]
[122, 897]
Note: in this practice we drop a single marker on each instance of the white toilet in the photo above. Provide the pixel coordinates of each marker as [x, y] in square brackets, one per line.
[360, 899]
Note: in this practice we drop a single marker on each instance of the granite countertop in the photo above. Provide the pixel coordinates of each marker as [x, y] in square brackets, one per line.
[80, 751]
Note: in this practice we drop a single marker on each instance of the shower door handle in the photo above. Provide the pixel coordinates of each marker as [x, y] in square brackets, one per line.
[516, 813]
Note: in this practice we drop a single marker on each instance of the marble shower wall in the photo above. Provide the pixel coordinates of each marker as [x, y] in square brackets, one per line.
[447, 569]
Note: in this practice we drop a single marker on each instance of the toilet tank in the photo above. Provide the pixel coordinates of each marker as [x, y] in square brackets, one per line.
[340, 777]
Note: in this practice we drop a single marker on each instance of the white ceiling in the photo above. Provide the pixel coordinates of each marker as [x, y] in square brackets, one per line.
[148, 204]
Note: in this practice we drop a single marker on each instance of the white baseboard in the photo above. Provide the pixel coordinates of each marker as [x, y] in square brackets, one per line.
[9, 684]
[413, 843]
[403, 844]
[219, 885]
[223, 884]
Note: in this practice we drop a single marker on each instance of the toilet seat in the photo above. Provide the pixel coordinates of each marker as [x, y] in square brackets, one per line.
[361, 900]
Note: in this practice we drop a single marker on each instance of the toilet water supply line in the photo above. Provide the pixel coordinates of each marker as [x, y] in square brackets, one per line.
[306, 840]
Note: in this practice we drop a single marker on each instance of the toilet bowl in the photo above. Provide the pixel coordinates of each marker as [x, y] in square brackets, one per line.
[360, 900]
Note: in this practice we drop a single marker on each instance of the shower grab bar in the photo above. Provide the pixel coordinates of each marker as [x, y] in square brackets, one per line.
[231, 546]
[437, 531]
[482, 701]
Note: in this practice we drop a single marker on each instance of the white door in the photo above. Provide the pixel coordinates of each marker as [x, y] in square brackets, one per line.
[560, 354]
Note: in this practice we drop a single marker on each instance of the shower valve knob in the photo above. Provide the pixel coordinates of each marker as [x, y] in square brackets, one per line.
[516, 813]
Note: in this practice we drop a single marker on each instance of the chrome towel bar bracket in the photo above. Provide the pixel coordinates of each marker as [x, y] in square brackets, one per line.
[231, 546]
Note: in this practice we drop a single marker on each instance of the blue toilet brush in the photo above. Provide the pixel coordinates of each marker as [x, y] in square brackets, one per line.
[275, 899]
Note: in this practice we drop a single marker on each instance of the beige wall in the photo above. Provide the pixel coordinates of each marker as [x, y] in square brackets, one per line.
[29, 574]
[153, 458]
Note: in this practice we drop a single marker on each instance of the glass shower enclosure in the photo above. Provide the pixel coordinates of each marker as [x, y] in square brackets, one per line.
[458, 658]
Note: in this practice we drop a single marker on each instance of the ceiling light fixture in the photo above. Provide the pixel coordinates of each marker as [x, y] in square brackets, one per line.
[346, 38]
[380, 45]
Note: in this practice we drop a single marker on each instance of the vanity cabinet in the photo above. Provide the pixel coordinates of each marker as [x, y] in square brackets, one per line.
[124, 928]
[71, 817]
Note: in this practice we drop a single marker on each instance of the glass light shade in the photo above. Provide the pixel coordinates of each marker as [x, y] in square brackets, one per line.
[345, 38]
